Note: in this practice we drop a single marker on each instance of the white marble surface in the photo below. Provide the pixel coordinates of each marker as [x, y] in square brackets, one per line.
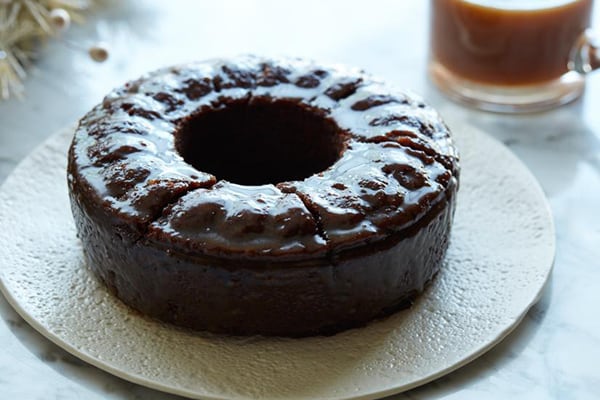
[553, 354]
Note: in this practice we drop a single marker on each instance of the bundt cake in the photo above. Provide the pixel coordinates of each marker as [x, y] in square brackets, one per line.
[263, 196]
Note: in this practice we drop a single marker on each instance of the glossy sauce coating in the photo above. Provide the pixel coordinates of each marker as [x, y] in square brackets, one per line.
[397, 161]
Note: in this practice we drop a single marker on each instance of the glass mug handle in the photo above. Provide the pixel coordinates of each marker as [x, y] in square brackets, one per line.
[585, 56]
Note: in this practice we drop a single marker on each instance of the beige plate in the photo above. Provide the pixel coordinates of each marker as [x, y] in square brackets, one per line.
[500, 257]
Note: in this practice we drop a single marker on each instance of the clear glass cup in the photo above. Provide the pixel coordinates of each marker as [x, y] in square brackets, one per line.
[512, 55]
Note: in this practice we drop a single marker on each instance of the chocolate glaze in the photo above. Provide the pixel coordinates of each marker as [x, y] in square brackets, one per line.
[338, 212]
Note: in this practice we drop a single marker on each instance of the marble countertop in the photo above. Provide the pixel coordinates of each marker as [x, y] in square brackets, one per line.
[554, 352]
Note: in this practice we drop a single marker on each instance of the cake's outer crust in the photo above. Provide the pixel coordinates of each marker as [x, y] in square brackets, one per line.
[279, 299]
[303, 257]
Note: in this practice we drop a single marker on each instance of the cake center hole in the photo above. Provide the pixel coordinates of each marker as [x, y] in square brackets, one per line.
[259, 142]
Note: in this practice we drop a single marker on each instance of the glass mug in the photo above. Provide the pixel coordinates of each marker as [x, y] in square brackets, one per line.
[512, 55]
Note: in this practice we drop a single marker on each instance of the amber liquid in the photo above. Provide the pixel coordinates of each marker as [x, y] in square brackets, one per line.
[502, 42]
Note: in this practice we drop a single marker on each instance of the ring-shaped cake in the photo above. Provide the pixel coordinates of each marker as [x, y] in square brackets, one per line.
[263, 196]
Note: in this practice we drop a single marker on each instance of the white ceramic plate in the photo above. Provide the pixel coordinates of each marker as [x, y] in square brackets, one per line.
[499, 259]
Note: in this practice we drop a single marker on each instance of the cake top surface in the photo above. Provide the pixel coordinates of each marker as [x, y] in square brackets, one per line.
[256, 157]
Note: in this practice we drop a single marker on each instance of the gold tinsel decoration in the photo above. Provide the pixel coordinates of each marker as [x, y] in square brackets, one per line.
[22, 23]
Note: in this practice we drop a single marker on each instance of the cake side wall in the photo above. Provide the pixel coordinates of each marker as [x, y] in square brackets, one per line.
[283, 300]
